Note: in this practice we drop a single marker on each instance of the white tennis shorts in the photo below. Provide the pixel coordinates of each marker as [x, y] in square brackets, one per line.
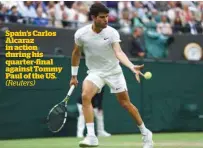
[116, 82]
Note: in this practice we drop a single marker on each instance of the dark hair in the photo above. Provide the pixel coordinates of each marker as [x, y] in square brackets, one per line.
[97, 8]
[13, 7]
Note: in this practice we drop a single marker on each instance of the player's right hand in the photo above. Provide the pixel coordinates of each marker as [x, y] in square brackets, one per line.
[136, 69]
[74, 81]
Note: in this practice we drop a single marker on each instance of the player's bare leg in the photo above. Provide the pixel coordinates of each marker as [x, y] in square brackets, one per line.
[125, 102]
[89, 89]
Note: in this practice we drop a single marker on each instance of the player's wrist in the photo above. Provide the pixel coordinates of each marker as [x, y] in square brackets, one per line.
[131, 67]
[74, 77]
[74, 70]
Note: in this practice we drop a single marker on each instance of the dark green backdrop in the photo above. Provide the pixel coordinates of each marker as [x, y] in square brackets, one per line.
[171, 101]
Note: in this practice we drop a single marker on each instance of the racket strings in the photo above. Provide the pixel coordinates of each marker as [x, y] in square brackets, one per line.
[56, 117]
[58, 110]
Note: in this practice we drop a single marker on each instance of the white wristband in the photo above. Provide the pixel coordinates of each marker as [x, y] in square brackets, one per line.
[74, 70]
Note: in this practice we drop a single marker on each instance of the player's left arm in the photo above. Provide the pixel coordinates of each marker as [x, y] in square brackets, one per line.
[121, 56]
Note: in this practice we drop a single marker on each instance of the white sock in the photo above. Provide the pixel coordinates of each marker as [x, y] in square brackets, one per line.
[143, 129]
[90, 129]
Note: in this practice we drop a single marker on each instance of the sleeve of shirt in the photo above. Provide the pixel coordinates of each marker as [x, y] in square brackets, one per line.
[115, 36]
[77, 38]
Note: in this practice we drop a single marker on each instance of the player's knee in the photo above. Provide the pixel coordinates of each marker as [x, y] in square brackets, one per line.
[125, 104]
[86, 98]
[135, 108]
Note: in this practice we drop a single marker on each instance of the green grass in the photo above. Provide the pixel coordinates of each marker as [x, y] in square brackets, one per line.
[169, 140]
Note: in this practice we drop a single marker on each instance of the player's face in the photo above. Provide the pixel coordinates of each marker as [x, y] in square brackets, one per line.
[101, 20]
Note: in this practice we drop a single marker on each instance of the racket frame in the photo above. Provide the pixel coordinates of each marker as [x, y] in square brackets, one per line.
[65, 100]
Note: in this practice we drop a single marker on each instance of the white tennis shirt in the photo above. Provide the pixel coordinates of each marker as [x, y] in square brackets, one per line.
[97, 47]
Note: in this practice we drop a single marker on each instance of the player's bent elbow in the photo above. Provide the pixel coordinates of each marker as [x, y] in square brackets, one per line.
[118, 54]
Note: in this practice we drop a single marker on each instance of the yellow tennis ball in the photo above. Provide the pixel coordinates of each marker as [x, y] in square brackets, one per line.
[148, 75]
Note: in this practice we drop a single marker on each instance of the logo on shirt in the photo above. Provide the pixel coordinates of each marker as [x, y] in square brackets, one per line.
[118, 88]
[106, 38]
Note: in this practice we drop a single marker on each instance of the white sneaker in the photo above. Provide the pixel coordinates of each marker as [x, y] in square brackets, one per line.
[89, 141]
[147, 140]
[103, 134]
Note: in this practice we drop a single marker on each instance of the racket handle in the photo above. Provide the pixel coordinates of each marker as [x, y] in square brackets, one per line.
[71, 90]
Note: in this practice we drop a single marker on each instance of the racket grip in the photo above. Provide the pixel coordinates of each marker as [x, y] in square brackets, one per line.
[71, 90]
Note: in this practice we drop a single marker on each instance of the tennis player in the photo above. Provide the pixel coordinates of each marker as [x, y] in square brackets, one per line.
[100, 44]
[98, 113]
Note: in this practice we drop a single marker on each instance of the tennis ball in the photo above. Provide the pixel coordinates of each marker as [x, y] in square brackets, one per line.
[148, 75]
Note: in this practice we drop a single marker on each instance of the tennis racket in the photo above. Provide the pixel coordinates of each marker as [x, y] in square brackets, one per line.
[57, 116]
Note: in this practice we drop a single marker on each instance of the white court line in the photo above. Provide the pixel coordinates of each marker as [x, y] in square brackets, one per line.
[165, 144]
